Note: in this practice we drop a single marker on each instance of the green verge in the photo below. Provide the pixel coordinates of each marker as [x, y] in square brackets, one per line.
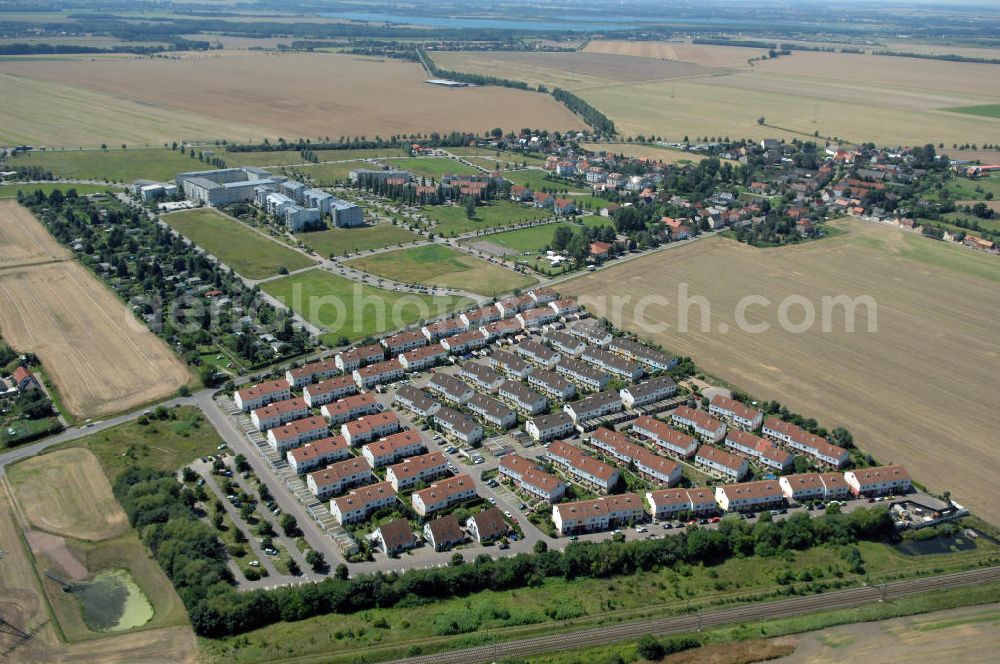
[339, 241]
[451, 219]
[344, 307]
[436, 265]
[238, 246]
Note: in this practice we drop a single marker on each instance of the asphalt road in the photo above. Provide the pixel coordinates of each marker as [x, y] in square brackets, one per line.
[596, 636]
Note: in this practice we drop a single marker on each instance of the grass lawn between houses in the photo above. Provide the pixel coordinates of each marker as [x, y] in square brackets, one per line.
[347, 308]
[236, 245]
[340, 241]
[435, 265]
[451, 219]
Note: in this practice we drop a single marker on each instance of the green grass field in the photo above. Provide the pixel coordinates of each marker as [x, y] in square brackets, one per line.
[966, 189]
[114, 164]
[161, 444]
[536, 180]
[347, 308]
[451, 219]
[343, 240]
[10, 190]
[952, 258]
[236, 245]
[531, 240]
[324, 174]
[544, 608]
[435, 265]
[435, 167]
[985, 110]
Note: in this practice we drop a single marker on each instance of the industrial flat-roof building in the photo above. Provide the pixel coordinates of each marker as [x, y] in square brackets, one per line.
[224, 186]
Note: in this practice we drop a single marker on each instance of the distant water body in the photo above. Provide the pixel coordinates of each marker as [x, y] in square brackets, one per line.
[620, 23]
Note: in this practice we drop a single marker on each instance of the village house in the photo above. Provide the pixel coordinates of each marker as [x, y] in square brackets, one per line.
[523, 397]
[392, 448]
[528, 476]
[325, 391]
[704, 426]
[422, 358]
[596, 405]
[814, 486]
[416, 401]
[510, 364]
[666, 504]
[350, 408]
[278, 413]
[878, 481]
[487, 526]
[417, 469]
[538, 353]
[261, 395]
[761, 449]
[749, 496]
[378, 373]
[582, 466]
[338, 477]
[24, 379]
[361, 502]
[648, 464]
[648, 391]
[565, 343]
[478, 317]
[370, 427]
[395, 537]
[450, 388]
[564, 306]
[727, 464]
[350, 360]
[639, 352]
[612, 363]
[548, 427]
[444, 328]
[600, 250]
[311, 372]
[493, 412]
[444, 533]
[464, 342]
[798, 438]
[583, 374]
[735, 412]
[520, 194]
[459, 426]
[481, 376]
[443, 494]
[587, 516]
[404, 341]
[318, 453]
[664, 436]
[551, 384]
[296, 433]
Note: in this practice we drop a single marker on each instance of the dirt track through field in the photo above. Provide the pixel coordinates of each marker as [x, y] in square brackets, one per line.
[101, 359]
[920, 391]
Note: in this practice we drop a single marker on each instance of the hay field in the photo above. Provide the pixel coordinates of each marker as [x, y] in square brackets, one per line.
[709, 55]
[920, 391]
[24, 241]
[248, 96]
[101, 359]
[67, 493]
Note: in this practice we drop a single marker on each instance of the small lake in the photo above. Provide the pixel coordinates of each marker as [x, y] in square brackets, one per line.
[113, 602]
[941, 544]
[617, 23]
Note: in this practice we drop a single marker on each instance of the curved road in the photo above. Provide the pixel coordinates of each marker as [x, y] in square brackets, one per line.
[596, 636]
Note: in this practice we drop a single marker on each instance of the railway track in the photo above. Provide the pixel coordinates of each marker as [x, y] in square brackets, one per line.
[595, 636]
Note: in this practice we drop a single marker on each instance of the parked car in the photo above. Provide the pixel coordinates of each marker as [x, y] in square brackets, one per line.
[222, 446]
[271, 551]
[507, 514]
[254, 563]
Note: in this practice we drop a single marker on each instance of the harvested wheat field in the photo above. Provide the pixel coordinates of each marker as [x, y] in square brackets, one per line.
[921, 390]
[709, 55]
[101, 359]
[23, 241]
[67, 493]
[248, 96]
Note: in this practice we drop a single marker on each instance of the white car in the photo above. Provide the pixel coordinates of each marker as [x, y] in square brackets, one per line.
[507, 514]
[492, 500]
[640, 529]
[254, 563]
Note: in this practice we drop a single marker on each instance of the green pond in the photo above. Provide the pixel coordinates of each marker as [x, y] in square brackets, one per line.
[113, 602]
